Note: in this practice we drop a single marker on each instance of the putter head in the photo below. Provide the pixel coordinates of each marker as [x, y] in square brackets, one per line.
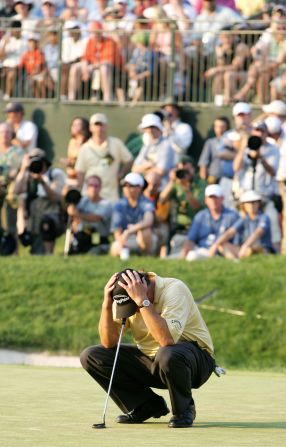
[101, 425]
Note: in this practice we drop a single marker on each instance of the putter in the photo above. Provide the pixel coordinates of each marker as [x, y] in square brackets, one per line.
[102, 424]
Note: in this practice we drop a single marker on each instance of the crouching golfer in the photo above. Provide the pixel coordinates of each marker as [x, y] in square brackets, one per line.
[173, 349]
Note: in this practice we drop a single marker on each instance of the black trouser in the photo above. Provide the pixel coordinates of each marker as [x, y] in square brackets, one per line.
[178, 368]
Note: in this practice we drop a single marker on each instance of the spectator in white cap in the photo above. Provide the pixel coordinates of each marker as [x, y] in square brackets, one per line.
[104, 156]
[132, 220]
[156, 154]
[120, 18]
[208, 225]
[251, 231]
[276, 108]
[242, 116]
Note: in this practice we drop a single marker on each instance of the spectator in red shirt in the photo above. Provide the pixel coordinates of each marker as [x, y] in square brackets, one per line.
[33, 62]
[100, 58]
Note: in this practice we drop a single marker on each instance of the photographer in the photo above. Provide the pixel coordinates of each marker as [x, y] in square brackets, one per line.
[255, 168]
[91, 214]
[40, 188]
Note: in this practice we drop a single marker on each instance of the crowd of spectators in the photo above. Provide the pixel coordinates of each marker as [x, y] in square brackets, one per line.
[132, 50]
[159, 202]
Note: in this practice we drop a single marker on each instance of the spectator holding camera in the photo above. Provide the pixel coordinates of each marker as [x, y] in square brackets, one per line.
[255, 167]
[25, 132]
[40, 186]
[91, 215]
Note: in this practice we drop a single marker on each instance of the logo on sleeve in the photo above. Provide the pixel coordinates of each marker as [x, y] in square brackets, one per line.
[177, 324]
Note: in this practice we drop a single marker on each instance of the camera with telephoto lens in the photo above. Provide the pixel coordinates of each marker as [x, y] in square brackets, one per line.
[36, 165]
[254, 143]
[182, 174]
[72, 197]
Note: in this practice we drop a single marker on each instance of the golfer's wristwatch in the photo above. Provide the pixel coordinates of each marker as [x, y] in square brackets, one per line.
[145, 303]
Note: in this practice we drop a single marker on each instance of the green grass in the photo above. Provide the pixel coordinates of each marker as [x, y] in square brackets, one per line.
[55, 407]
[49, 303]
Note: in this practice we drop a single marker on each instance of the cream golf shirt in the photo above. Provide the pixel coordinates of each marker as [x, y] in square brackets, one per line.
[104, 160]
[174, 302]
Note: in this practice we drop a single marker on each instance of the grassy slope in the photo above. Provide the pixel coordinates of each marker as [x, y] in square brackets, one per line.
[54, 304]
[51, 407]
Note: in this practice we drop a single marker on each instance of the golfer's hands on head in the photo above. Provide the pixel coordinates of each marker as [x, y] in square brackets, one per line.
[135, 286]
[107, 296]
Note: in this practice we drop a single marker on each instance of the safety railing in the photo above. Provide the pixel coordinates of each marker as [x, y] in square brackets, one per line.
[114, 65]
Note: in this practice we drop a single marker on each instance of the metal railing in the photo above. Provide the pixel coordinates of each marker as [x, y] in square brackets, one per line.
[145, 65]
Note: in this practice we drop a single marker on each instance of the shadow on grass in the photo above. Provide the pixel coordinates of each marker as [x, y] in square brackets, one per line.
[260, 425]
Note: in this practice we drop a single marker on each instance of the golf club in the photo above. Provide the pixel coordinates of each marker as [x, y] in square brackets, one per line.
[102, 424]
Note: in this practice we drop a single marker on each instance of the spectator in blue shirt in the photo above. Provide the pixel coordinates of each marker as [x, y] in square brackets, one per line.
[253, 229]
[208, 225]
[133, 219]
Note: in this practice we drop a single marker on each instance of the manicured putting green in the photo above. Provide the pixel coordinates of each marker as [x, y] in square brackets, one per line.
[55, 407]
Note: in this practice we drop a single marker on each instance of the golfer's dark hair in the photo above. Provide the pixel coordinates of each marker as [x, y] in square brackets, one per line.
[224, 119]
[143, 275]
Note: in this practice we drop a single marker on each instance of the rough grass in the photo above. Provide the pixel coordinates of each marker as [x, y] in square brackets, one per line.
[51, 407]
[49, 303]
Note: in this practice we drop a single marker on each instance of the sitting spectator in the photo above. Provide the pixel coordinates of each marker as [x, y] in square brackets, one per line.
[12, 46]
[210, 163]
[97, 9]
[49, 16]
[269, 61]
[104, 156]
[33, 64]
[26, 132]
[140, 68]
[91, 215]
[255, 167]
[248, 9]
[161, 225]
[156, 154]
[179, 134]
[41, 185]
[120, 18]
[230, 71]
[10, 162]
[185, 193]
[51, 72]
[278, 87]
[74, 10]
[252, 228]
[80, 134]
[100, 58]
[73, 47]
[7, 9]
[133, 220]
[208, 225]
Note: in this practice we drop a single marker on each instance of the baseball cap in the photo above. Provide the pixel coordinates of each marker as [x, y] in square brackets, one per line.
[241, 107]
[37, 152]
[276, 107]
[273, 124]
[72, 24]
[133, 179]
[249, 196]
[116, 2]
[34, 36]
[124, 305]
[98, 118]
[260, 125]
[213, 190]
[151, 120]
[14, 107]
[95, 26]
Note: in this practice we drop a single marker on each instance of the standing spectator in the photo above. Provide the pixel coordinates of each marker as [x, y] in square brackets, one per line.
[26, 132]
[179, 134]
[12, 46]
[210, 161]
[42, 186]
[10, 162]
[133, 220]
[100, 58]
[256, 169]
[156, 154]
[208, 225]
[252, 228]
[104, 156]
[91, 215]
[33, 64]
[276, 108]
[73, 47]
[80, 134]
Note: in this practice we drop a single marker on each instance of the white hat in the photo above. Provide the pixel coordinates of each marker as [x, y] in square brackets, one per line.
[249, 196]
[241, 107]
[232, 135]
[273, 124]
[133, 179]
[276, 107]
[116, 2]
[34, 36]
[213, 190]
[151, 120]
[71, 24]
[98, 118]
